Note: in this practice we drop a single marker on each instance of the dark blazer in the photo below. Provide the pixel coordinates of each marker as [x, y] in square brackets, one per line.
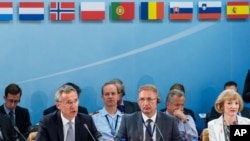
[131, 128]
[51, 127]
[53, 108]
[22, 119]
[186, 112]
[130, 107]
[214, 114]
[246, 90]
[6, 128]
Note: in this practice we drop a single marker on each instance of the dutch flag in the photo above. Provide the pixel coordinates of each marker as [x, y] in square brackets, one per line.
[31, 11]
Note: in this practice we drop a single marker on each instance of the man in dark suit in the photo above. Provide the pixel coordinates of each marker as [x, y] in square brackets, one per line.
[148, 124]
[19, 116]
[244, 113]
[124, 106]
[6, 131]
[246, 90]
[66, 124]
[80, 108]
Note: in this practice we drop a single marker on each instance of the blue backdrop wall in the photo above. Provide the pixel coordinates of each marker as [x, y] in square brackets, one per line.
[202, 55]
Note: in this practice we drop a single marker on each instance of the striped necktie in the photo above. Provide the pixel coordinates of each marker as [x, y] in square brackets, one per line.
[11, 115]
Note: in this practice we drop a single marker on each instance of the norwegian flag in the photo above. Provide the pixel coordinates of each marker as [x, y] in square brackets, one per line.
[62, 11]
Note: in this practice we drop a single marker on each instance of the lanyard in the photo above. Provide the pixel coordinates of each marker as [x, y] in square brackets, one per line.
[148, 130]
[113, 131]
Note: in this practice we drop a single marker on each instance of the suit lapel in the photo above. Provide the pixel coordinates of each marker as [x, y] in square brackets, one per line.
[219, 129]
[78, 129]
[59, 126]
[139, 126]
[159, 125]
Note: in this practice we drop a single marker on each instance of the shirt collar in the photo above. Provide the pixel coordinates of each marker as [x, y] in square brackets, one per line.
[153, 118]
[65, 121]
[104, 112]
[7, 110]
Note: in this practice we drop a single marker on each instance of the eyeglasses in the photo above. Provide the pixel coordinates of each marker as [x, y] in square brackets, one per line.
[70, 102]
[12, 101]
[149, 99]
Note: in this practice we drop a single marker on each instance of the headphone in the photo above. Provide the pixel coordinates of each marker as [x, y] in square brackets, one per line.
[158, 100]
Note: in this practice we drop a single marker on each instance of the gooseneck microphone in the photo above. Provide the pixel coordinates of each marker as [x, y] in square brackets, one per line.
[157, 128]
[18, 131]
[86, 126]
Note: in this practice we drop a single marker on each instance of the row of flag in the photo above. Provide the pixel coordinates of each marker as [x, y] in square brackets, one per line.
[65, 11]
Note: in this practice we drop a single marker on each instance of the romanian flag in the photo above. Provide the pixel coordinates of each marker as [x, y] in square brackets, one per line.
[238, 10]
[6, 11]
[92, 11]
[122, 10]
[209, 10]
[181, 10]
[152, 10]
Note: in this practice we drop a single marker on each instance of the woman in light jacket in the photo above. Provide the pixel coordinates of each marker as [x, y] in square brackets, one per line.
[228, 103]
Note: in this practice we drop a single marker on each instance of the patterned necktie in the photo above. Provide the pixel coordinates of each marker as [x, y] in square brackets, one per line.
[70, 134]
[148, 131]
[11, 114]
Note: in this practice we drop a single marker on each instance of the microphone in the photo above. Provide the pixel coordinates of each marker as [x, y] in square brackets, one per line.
[18, 131]
[157, 128]
[86, 126]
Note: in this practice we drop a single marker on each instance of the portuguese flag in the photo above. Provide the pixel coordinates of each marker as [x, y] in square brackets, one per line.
[122, 10]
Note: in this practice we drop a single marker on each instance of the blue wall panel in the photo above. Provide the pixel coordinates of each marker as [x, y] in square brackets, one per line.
[203, 55]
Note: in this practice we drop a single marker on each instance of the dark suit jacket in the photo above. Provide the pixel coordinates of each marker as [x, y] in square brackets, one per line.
[53, 108]
[6, 128]
[131, 128]
[51, 127]
[246, 90]
[130, 107]
[186, 112]
[22, 119]
[214, 114]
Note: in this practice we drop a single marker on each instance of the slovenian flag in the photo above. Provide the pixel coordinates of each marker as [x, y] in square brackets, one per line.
[92, 10]
[31, 11]
[62, 11]
[238, 10]
[122, 10]
[6, 11]
[152, 10]
[181, 10]
[209, 10]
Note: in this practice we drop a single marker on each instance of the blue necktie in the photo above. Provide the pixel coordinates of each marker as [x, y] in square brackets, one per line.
[148, 131]
[11, 114]
[121, 108]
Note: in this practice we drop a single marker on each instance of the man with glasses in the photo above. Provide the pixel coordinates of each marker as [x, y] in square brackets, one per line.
[19, 116]
[148, 124]
[124, 106]
[66, 124]
[81, 109]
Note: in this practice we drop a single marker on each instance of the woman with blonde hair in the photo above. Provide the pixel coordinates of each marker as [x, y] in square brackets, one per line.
[228, 103]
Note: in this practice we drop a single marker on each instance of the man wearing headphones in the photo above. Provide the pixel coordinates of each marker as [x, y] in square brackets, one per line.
[175, 104]
[148, 124]
[124, 106]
